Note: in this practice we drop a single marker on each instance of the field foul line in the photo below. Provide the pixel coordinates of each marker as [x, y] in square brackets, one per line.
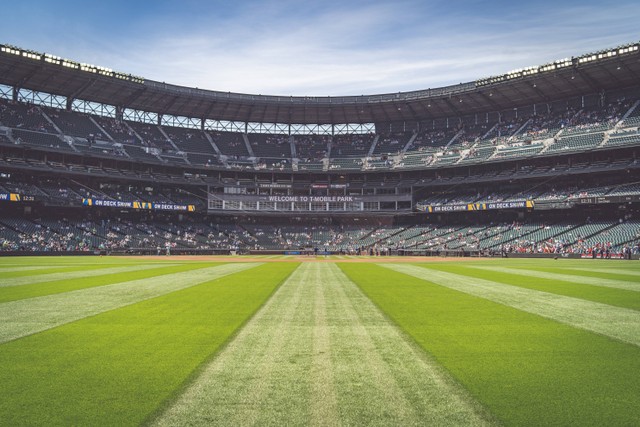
[29, 316]
[615, 322]
[319, 352]
[583, 280]
[52, 277]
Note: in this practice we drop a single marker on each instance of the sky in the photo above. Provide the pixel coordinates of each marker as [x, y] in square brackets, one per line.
[317, 48]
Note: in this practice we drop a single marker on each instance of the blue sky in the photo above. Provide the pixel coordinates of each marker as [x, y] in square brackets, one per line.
[318, 47]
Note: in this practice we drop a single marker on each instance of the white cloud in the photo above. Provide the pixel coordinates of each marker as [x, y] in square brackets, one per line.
[270, 48]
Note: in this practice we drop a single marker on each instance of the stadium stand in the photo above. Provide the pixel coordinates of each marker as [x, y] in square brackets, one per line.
[391, 143]
[270, 146]
[230, 144]
[351, 145]
[557, 175]
[24, 116]
[311, 147]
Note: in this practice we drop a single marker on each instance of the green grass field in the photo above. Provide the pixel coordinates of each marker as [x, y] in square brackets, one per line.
[220, 341]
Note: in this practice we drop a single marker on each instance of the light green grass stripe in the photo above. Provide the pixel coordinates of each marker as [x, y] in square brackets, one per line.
[594, 281]
[57, 269]
[615, 322]
[320, 353]
[232, 387]
[23, 268]
[610, 296]
[324, 402]
[619, 269]
[39, 278]
[392, 380]
[25, 317]
[74, 260]
[14, 293]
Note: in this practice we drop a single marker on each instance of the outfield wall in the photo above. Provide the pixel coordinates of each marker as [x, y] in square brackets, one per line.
[135, 251]
[428, 254]
[50, 253]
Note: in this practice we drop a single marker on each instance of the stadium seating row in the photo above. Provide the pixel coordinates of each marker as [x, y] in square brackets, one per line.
[120, 234]
[612, 125]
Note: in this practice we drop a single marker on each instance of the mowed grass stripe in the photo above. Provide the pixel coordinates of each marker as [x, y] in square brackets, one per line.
[605, 295]
[614, 322]
[579, 278]
[528, 370]
[73, 273]
[324, 402]
[14, 293]
[272, 393]
[360, 372]
[75, 261]
[4, 270]
[25, 317]
[375, 362]
[609, 271]
[232, 389]
[118, 367]
[22, 276]
[320, 353]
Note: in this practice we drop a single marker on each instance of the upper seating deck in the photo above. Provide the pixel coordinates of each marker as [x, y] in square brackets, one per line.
[559, 131]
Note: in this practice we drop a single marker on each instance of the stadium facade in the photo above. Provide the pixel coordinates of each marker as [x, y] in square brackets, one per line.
[542, 160]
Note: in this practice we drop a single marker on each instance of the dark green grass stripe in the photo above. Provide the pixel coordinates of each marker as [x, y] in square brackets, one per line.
[27, 317]
[616, 297]
[614, 322]
[14, 293]
[527, 369]
[117, 367]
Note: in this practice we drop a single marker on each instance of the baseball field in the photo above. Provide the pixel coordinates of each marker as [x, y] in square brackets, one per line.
[318, 341]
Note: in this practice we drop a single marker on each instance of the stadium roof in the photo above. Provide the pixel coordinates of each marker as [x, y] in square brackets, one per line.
[591, 73]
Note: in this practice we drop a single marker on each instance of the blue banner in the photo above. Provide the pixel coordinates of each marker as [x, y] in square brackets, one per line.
[10, 197]
[138, 205]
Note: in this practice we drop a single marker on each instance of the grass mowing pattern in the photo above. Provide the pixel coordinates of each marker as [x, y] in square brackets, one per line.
[118, 367]
[527, 369]
[4, 270]
[578, 277]
[607, 272]
[613, 322]
[328, 356]
[70, 273]
[25, 317]
[320, 353]
[19, 274]
[14, 293]
[605, 295]
[78, 261]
